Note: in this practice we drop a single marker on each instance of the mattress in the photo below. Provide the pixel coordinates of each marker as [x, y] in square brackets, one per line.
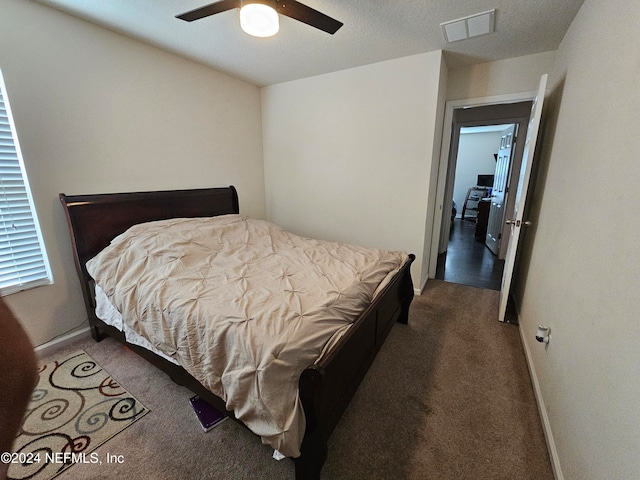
[243, 305]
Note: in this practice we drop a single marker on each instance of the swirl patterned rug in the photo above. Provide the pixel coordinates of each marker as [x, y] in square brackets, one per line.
[75, 408]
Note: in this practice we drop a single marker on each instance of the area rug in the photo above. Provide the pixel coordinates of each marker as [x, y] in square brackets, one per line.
[75, 408]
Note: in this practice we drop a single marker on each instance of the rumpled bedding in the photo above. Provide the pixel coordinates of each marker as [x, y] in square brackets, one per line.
[243, 305]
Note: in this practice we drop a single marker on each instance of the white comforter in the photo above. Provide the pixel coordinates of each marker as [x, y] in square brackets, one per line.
[243, 305]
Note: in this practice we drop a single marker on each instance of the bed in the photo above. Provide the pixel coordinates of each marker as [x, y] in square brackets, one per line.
[324, 387]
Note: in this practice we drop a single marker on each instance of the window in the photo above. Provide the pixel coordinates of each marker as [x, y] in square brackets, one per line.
[23, 260]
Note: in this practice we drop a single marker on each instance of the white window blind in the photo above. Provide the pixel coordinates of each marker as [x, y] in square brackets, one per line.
[23, 261]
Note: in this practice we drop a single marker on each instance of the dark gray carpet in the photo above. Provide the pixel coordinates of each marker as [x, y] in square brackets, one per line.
[448, 397]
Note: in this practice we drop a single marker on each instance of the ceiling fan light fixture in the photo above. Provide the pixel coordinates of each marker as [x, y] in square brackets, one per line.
[259, 20]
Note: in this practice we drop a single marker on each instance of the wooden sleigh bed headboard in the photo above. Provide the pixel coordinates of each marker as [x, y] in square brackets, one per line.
[95, 220]
[325, 387]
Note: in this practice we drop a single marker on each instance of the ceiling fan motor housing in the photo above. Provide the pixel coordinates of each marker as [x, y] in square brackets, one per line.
[289, 8]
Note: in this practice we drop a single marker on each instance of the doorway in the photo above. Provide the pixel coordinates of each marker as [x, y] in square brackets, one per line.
[463, 255]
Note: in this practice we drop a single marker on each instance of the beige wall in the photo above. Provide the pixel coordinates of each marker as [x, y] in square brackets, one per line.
[348, 155]
[98, 112]
[511, 76]
[579, 272]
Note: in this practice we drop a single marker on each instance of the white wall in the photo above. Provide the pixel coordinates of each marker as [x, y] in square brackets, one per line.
[475, 157]
[580, 270]
[97, 112]
[348, 155]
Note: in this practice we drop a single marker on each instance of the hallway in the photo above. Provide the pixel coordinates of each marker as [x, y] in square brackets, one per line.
[467, 261]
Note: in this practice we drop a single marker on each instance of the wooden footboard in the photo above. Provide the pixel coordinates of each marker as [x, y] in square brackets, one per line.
[325, 387]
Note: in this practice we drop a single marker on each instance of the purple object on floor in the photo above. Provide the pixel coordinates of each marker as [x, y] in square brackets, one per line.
[208, 416]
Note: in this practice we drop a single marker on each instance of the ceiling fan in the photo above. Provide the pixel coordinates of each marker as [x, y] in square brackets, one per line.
[263, 15]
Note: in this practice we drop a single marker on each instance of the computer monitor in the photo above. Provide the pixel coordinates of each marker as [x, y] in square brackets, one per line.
[485, 180]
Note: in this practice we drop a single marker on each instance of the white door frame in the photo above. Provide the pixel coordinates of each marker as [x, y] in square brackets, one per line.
[444, 160]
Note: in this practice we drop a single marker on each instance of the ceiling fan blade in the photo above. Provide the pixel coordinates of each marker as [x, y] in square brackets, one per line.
[308, 15]
[208, 10]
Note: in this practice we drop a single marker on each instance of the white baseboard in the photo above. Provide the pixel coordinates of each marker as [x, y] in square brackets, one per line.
[546, 426]
[60, 342]
[418, 291]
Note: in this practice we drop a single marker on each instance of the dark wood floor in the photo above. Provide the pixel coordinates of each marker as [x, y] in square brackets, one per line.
[468, 261]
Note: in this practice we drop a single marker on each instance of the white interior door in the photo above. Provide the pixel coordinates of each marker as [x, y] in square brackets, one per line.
[517, 221]
[499, 191]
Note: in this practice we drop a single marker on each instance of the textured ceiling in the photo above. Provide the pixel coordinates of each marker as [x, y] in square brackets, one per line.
[373, 31]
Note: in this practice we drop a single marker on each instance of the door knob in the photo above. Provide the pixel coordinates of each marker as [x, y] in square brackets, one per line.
[510, 222]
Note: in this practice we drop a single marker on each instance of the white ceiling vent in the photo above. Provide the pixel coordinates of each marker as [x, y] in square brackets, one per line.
[467, 27]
